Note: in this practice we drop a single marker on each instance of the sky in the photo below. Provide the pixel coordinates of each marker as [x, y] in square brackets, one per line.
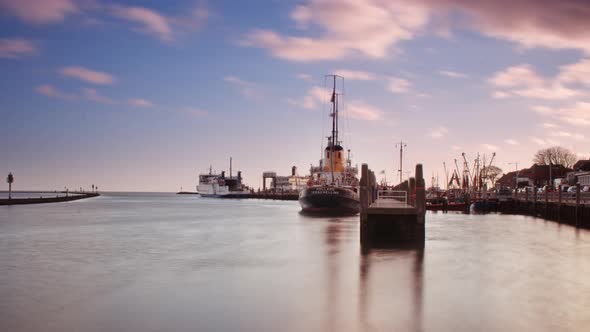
[145, 95]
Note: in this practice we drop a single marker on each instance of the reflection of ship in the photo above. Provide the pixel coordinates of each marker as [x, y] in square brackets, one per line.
[333, 186]
[220, 186]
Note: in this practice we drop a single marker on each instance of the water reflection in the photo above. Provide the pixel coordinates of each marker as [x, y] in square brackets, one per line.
[390, 252]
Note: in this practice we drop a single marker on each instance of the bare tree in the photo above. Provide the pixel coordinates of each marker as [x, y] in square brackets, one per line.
[555, 155]
[492, 174]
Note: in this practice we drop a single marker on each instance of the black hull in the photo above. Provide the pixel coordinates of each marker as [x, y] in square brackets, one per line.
[329, 200]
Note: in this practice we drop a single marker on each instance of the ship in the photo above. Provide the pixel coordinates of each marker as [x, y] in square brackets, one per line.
[221, 186]
[333, 186]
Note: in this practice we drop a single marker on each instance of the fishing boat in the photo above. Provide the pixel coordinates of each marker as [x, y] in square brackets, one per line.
[333, 186]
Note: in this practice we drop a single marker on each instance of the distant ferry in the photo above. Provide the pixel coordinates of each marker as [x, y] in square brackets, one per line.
[220, 186]
[333, 186]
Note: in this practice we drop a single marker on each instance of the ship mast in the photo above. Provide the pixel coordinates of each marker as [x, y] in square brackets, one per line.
[333, 141]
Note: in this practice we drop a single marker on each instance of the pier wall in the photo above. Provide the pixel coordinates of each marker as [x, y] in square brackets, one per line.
[577, 215]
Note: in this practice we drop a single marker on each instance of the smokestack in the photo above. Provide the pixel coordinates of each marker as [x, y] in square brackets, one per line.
[239, 175]
[230, 167]
[223, 174]
[293, 170]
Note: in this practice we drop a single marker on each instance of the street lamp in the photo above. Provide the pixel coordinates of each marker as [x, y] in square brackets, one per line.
[10, 180]
[516, 177]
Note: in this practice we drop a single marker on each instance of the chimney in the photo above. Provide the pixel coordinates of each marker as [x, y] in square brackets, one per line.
[293, 170]
[223, 174]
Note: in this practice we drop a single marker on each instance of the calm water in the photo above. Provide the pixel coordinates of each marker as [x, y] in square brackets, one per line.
[162, 262]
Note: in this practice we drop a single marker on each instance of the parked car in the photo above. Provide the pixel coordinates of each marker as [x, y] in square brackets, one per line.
[571, 189]
[585, 189]
[564, 188]
[547, 188]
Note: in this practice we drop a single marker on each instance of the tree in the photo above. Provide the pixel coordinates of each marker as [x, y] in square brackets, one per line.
[555, 155]
[492, 174]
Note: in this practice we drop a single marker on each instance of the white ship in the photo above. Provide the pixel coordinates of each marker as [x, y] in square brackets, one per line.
[220, 186]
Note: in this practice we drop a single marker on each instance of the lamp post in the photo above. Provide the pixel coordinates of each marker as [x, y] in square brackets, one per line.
[10, 180]
[516, 177]
[550, 171]
[401, 145]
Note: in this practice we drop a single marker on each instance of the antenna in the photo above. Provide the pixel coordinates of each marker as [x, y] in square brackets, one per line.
[401, 146]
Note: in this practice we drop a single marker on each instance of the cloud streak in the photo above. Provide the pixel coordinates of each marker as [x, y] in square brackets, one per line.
[87, 75]
[16, 48]
[149, 21]
[51, 92]
[355, 75]
[40, 12]
[248, 89]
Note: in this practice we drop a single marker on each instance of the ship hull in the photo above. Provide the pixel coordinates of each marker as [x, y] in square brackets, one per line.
[328, 200]
[228, 195]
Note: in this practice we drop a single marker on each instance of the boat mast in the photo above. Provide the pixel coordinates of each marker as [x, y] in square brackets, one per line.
[334, 139]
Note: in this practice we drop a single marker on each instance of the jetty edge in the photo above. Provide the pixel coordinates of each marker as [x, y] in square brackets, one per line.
[40, 200]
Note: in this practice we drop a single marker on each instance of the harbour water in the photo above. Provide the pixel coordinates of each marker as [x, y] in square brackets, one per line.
[165, 262]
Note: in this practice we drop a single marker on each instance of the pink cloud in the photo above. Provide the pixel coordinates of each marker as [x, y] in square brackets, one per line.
[87, 75]
[577, 114]
[151, 22]
[140, 103]
[523, 81]
[355, 75]
[375, 28]
[49, 91]
[371, 29]
[360, 110]
[530, 23]
[439, 132]
[452, 74]
[93, 95]
[194, 111]
[399, 85]
[248, 89]
[16, 47]
[40, 12]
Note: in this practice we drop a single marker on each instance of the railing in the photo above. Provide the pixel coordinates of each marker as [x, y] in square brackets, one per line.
[566, 197]
[397, 195]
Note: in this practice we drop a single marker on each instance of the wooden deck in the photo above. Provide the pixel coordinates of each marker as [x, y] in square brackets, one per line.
[391, 207]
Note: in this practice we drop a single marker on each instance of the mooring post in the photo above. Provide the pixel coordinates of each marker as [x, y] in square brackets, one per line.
[577, 204]
[411, 192]
[546, 202]
[373, 180]
[559, 203]
[420, 194]
[364, 193]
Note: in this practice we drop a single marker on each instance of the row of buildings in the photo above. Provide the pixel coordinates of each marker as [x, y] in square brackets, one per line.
[554, 175]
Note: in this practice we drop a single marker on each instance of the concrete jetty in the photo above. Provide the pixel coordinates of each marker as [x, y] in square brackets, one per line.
[39, 200]
[390, 216]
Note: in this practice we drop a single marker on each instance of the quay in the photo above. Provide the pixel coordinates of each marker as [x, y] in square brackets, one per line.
[392, 217]
[38, 200]
[567, 208]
